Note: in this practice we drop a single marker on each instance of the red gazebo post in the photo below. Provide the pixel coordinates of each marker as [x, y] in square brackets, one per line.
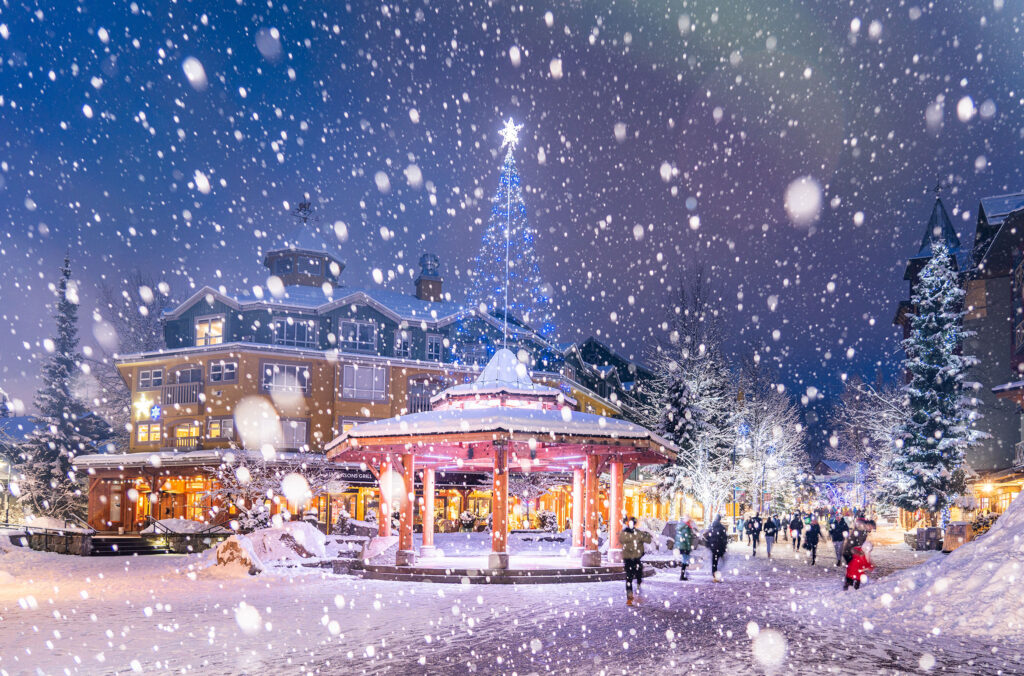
[591, 555]
[498, 558]
[384, 504]
[428, 548]
[577, 512]
[406, 554]
[615, 513]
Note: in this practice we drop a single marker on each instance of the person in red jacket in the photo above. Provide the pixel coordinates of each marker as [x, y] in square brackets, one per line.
[857, 569]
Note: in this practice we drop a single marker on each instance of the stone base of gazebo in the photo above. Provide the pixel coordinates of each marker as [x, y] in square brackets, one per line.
[451, 573]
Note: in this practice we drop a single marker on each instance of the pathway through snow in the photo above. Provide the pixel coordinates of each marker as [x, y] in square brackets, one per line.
[112, 615]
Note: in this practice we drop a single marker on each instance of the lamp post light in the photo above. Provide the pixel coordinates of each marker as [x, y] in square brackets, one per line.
[8, 467]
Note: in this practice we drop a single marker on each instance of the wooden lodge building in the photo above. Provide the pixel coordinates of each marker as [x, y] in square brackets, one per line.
[293, 364]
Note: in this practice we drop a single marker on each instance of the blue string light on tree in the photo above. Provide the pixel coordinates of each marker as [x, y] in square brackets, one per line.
[507, 253]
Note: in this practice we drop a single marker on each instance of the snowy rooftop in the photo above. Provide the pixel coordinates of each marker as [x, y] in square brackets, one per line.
[189, 458]
[527, 421]
[504, 374]
[404, 306]
[998, 207]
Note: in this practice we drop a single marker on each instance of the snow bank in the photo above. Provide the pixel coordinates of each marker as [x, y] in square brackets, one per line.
[976, 590]
[292, 541]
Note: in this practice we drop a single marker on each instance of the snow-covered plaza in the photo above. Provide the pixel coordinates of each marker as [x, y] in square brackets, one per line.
[509, 337]
[163, 614]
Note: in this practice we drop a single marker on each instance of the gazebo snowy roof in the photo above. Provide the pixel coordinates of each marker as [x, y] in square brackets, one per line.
[544, 435]
[503, 375]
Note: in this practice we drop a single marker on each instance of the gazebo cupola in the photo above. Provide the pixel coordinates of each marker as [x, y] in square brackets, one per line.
[504, 382]
[304, 260]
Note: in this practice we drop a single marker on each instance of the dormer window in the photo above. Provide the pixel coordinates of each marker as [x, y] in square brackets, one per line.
[210, 330]
[295, 332]
[359, 336]
[403, 343]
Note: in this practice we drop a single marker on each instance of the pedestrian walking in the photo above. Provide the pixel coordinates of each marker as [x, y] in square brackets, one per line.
[838, 532]
[857, 570]
[812, 538]
[796, 527]
[633, 541]
[754, 531]
[784, 527]
[771, 531]
[718, 540]
[684, 543]
[858, 536]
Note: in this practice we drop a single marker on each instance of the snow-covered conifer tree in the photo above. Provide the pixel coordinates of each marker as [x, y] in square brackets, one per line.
[65, 427]
[926, 474]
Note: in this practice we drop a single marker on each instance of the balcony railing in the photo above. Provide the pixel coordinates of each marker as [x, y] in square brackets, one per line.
[186, 443]
[1018, 455]
[181, 394]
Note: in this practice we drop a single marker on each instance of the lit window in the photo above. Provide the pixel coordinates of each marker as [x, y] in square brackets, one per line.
[210, 331]
[151, 378]
[286, 378]
[360, 336]
[403, 343]
[221, 428]
[368, 383]
[223, 371]
[434, 345]
[147, 433]
[298, 333]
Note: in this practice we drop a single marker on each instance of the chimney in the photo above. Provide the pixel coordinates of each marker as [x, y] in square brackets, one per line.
[428, 284]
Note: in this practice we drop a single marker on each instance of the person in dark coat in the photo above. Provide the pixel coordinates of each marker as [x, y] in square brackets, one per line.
[838, 532]
[796, 526]
[771, 531]
[718, 540]
[754, 531]
[633, 542]
[811, 539]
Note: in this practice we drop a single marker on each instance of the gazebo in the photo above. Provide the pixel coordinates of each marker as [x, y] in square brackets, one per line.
[503, 422]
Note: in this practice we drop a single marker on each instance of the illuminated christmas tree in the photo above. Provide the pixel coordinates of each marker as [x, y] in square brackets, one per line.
[505, 276]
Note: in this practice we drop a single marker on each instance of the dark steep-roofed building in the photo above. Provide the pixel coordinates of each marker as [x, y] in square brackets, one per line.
[985, 273]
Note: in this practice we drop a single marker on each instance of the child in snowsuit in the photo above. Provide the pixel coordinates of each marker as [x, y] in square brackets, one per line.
[857, 569]
[684, 543]
[632, 552]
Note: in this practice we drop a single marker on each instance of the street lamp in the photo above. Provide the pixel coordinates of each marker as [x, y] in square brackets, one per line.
[7, 467]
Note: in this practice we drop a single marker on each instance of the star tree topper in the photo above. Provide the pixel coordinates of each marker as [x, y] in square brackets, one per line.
[510, 134]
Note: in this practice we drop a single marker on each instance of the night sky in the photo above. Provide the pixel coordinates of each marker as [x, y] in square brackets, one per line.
[636, 121]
